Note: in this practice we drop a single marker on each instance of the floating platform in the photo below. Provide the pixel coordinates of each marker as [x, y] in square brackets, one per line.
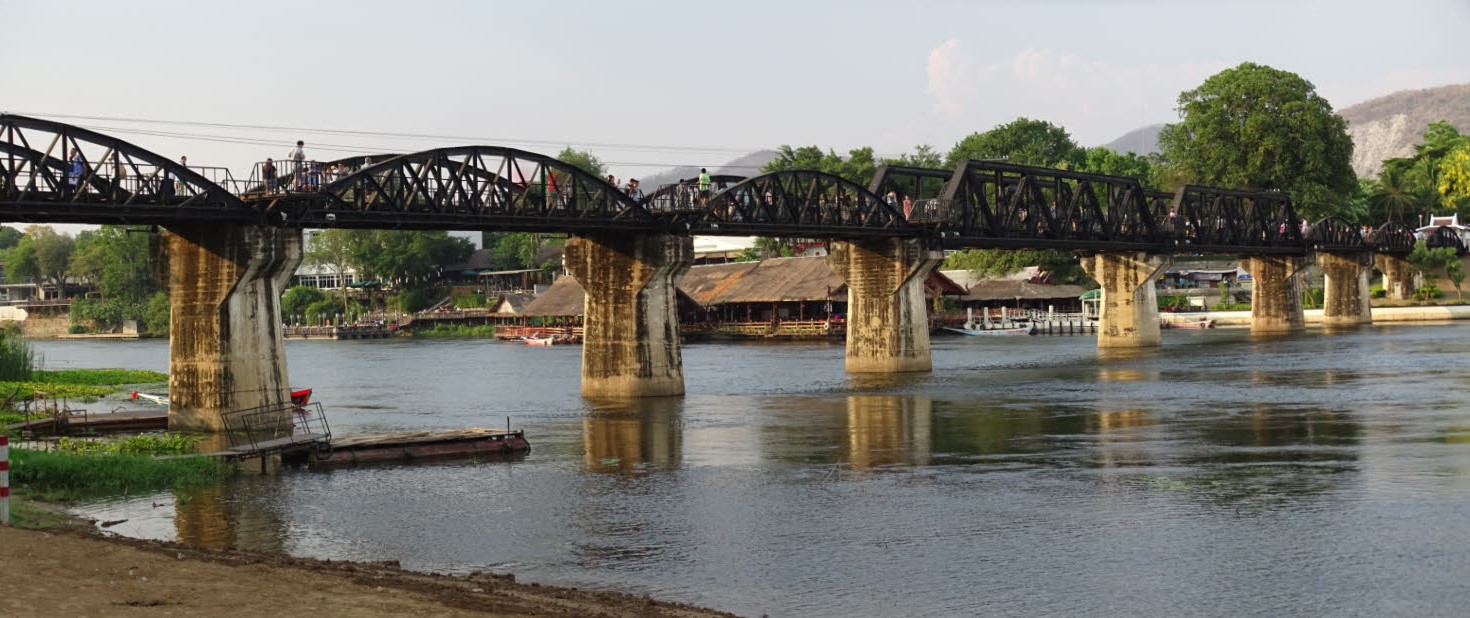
[425, 445]
[78, 421]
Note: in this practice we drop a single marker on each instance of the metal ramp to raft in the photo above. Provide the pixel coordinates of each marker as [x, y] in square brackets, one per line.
[277, 429]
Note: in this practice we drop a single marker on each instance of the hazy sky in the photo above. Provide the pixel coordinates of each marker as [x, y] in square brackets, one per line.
[646, 85]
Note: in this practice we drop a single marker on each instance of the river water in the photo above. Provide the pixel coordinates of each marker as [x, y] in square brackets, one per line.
[1326, 473]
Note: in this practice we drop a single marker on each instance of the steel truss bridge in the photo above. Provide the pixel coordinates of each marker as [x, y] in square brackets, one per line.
[52, 172]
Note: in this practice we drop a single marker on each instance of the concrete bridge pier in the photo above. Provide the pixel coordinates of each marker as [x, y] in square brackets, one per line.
[1276, 297]
[1346, 300]
[887, 316]
[630, 341]
[1398, 276]
[226, 352]
[1129, 313]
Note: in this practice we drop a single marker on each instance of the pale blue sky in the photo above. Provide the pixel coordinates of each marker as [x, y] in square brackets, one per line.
[644, 85]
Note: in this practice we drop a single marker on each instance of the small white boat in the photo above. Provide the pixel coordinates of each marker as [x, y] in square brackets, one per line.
[1194, 324]
[995, 332]
[543, 341]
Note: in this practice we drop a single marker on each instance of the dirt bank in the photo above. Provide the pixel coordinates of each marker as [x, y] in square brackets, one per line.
[69, 572]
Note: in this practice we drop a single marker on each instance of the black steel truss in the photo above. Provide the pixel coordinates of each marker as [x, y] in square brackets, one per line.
[801, 203]
[683, 197]
[978, 204]
[996, 204]
[59, 173]
[469, 187]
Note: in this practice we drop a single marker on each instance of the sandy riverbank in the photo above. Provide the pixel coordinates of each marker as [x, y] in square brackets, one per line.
[73, 571]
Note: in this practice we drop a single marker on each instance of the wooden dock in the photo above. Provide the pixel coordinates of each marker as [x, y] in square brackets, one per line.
[81, 421]
[425, 445]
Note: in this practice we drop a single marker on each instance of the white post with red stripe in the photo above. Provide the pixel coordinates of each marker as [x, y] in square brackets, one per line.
[4, 480]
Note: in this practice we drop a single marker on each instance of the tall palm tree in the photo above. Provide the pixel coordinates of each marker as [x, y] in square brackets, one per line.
[1392, 195]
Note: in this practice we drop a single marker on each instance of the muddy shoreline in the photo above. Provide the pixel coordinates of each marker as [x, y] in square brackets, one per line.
[74, 568]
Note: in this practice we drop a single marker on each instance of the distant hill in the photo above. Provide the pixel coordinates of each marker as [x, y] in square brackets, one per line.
[1390, 126]
[1381, 128]
[747, 165]
[1138, 141]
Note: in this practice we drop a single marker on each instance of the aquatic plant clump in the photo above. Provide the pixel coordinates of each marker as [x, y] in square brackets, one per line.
[70, 476]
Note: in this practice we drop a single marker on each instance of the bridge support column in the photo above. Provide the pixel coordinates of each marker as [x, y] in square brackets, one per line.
[887, 316]
[631, 323]
[1398, 276]
[1276, 297]
[226, 352]
[1345, 297]
[1129, 313]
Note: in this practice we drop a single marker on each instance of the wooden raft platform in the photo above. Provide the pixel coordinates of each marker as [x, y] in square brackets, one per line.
[103, 422]
[425, 445]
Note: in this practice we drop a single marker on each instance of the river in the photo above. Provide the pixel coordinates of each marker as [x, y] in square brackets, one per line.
[1326, 473]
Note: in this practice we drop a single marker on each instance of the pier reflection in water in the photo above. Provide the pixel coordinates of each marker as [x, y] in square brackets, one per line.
[1223, 473]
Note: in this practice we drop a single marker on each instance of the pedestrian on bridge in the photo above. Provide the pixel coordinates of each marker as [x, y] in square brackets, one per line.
[298, 164]
[74, 171]
[268, 173]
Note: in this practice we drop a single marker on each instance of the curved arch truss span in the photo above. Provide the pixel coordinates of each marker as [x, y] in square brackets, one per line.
[473, 187]
[813, 203]
[56, 172]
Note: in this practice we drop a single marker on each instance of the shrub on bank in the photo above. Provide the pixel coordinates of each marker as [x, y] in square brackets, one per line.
[456, 330]
[68, 477]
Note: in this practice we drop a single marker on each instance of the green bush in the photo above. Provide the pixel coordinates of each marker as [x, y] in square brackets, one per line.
[17, 361]
[474, 300]
[456, 330]
[68, 477]
[1427, 292]
[156, 316]
[410, 301]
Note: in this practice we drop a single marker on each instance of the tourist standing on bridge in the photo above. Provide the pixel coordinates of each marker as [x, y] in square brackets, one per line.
[119, 173]
[298, 164]
[268, 173]
[74, 171]
[703, 187]
[633, 190]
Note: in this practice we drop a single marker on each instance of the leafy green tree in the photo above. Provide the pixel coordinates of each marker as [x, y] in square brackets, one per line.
[333, 249]
[857, 166]
[1256, 127]
[1023, 142]
[583, 160]
[9, 237]
[115, 262]
[989, 263]
[20, 263]
[1444, 259]
[1454, 178]
[924, 155]
[1103, 160]
[295, 301]
[408, 258]
[156, 316]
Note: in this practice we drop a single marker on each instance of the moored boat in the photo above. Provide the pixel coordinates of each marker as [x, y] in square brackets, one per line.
[995, 332]
[300, 397]
[544, 341]
[1192, 324]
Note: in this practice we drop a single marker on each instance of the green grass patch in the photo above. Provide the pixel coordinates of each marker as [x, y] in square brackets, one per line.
[152, 444]
[99, 377]
[456, 330]
[69, 477]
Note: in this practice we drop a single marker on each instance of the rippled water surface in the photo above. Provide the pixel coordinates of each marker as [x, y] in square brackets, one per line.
[1320, 474]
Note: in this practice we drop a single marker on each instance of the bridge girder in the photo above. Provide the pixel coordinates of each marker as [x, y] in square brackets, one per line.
[1393, 238]
[821, 205]
[1231, 220]
[682, 197]
[1333, 234]
[119, 182]
[470, 187]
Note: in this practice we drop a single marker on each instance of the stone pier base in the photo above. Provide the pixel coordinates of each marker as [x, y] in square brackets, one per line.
[630, 344]
[887, 317]
[226, 352]
[1276, 298]
[1129, 312]
[1345, 297]
[1398, 276]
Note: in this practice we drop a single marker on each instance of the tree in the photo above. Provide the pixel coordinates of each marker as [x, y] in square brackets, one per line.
[296, 300]
[924, 155]
[583, 160]
[9, 237]
[408, 258]
[115, 262]
[988, 263]
[1103, 160]
[1391, 197]
[53, 252]
[1260, 128]
[1454, 178]
[1023, 142]
[1426, 260]
[857, 167]
[334, 249]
